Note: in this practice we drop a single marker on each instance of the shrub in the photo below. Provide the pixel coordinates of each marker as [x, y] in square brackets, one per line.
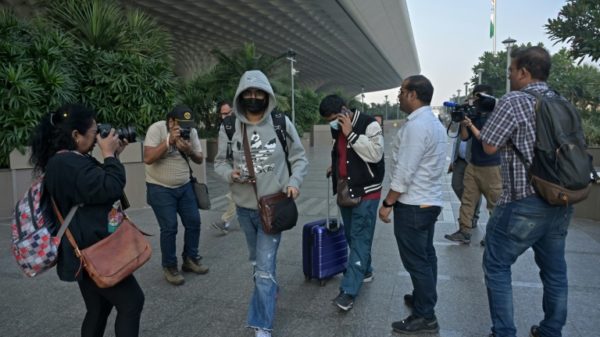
[37, 75]
[114, 60]
[591, 130]
[124, 68]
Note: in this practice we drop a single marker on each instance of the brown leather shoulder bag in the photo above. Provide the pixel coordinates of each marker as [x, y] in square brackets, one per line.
[115, 257]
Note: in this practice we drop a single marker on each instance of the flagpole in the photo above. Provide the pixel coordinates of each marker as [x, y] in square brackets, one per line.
[494, 2]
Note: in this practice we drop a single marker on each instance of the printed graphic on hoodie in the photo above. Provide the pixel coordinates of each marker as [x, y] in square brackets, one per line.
[261, 152]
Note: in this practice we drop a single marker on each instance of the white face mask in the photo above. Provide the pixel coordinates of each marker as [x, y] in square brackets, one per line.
[334, 124]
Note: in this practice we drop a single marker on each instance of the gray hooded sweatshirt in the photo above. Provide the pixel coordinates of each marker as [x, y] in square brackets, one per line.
[267, 152]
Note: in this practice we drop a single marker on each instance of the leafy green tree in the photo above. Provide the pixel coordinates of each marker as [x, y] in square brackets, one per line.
[580, 84]
[307, 109]
[200, 95]
[123, 67]
[37, 75]
[494, 71]
[578, 23]
[221, 82]
[91, 51]
[230, 68]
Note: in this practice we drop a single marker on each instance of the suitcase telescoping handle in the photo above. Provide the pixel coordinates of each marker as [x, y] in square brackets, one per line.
[328, 224]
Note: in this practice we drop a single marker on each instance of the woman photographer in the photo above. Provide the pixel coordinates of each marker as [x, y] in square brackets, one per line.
[61, 145]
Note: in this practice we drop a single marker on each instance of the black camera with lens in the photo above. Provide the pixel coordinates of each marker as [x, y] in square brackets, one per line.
[480, 108]
[126, 132]
[184, 132]
[459, 112]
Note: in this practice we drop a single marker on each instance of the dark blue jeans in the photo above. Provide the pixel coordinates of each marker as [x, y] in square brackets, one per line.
[414, 228]
[512, 229]
[359, 227]
[166, 204]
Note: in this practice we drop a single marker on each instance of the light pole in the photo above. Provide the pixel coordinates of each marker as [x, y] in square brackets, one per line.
[362, 97]
[479, 73]
[466, 88]
[386, 105]
[457, 95]
[291, 56]
[509, 43]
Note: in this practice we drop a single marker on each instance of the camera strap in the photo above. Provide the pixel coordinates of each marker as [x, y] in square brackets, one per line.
[187, 160]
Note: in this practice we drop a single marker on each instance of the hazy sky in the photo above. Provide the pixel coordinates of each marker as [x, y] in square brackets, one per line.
[451, 36]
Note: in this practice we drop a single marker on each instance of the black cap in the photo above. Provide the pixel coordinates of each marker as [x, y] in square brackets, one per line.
[183, 115]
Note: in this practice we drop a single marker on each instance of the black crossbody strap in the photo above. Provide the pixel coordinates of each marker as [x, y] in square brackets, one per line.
[187, 160]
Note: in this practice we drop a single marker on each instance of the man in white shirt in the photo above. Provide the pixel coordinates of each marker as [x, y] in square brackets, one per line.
[418, 164]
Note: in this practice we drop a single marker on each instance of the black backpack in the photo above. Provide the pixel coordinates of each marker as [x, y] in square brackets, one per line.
[279, 125]
[561, 171]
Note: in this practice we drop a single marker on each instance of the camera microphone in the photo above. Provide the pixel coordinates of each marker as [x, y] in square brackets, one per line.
[484, 95]
[451, 104]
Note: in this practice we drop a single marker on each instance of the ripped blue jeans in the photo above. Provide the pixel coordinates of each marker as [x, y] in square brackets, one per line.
[262, 249]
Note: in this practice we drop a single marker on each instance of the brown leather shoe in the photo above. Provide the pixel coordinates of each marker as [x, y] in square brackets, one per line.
[193, 266]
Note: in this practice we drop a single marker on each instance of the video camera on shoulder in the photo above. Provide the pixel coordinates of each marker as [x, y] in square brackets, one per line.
[126, 132]
[480, 108]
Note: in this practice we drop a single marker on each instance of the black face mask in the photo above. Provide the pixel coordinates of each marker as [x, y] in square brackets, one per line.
[254, 105]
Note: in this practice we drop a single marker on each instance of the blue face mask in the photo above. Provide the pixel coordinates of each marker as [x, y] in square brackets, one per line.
[334, 124]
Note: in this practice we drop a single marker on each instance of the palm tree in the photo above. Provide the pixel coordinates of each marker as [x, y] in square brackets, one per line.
[229, 69]
[124, 67]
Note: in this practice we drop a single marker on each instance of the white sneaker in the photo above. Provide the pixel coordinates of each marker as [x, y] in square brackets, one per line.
[262, 333]
[221, 225]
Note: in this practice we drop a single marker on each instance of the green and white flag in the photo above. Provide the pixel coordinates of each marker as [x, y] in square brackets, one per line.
[492, 19]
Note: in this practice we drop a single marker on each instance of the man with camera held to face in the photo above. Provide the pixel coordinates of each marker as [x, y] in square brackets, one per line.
[357, 170]
[482, 174]
[168, 146]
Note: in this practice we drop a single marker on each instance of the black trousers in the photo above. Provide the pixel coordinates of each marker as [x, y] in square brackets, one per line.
[127, 297]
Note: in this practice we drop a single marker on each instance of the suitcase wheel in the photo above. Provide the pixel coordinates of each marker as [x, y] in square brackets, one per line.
[306, 278]
[323, 282]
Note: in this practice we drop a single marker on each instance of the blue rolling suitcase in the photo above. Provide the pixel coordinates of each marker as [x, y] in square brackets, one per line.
[324, 248]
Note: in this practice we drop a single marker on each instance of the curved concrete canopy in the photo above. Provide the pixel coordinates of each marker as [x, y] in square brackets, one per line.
[342, 44]
[345, 44]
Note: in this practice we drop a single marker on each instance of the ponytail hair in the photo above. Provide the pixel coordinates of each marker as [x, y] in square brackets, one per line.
[54, 133]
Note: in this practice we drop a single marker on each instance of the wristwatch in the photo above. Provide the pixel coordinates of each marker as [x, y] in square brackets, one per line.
[386, 205]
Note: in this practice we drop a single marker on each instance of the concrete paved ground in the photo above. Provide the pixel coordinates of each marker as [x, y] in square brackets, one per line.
[215, 304]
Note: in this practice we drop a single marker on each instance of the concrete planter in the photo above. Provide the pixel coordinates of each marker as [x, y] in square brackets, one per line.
[595, 152]
[321, 135]
[7, 200]
[18, 178]
[306, 143]
[211, 149]
[590, 207]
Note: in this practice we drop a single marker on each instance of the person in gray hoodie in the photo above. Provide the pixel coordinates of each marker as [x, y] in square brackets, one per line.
[252, 106]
